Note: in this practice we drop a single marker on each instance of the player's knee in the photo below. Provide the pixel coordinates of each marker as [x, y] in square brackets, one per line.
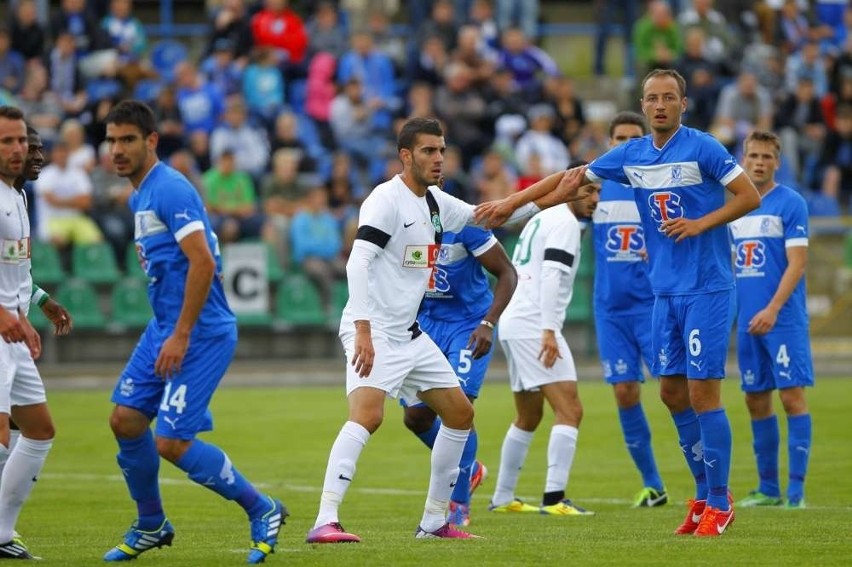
[127, 423]
[627, 394]
[417, 422]
[529, 421]
[793, 401]
[369, 420]
[171, 449]
[675, 399]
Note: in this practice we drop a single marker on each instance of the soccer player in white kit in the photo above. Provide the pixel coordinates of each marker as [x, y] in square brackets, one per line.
[389, 270]
[22, 393]
[540, 363]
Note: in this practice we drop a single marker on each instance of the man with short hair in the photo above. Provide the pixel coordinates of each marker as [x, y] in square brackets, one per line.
[183, 352]
[772, 322]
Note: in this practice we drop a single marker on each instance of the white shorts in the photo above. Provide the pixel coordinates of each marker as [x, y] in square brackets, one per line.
[527, 373]
[20, 382]
[402, 368]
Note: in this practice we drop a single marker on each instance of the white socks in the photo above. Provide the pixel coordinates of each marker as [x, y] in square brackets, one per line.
[446, 454]
[516, 444]
[560, 455]
[341, 470]
[21, 472]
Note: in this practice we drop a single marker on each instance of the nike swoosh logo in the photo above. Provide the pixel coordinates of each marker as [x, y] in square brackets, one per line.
[347, 479]
[654, 501]
[696, 518]
[409, 224]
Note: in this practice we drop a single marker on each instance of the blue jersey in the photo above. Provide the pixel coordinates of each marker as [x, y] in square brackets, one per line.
[621, 274]
[460, 291]
[761, 239]
[166, 209]
[684, 178]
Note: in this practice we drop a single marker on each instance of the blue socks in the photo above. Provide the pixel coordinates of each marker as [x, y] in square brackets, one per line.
[799, 448]
[689, 438]
[461, 493]
[766, 440]
[210, 467]
[428, 437]
[637, 436]
[140, 463]
[716, 438]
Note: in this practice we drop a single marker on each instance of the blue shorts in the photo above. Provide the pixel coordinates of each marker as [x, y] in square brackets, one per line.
[452, 338]
[777, 360]
[623, 342]
[691, 334]
[180, 403]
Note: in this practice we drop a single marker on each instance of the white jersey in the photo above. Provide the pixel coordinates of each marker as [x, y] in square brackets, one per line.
[546, 258]
[399, 226]
[15, 280]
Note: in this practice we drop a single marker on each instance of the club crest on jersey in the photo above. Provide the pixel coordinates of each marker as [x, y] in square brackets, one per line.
[677, 174]
[665, 206]
[751, 256]
[748, 377]
[764, 225]
[420, 256]
[624, 241]
[147, 224]
[621, 367]
[436, 222]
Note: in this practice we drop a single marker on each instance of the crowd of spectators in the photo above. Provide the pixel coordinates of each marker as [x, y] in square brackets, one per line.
[287, 116]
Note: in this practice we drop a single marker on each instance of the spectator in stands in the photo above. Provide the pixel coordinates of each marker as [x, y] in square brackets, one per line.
[221, 70]
[359, 11]
[385, 41]
[800, 123]
[231, 22]
[321, 90]
[470, 50]
[539, 140]
[182, 161]
[375, 70]
[200, 103]
[419, 101]
[11, 64]
[743, 106]
[353, 126]
[263, 86]
[28, 35]
[428, 64]
[463, 111]
[765, 62]
[493, 179]
[73, 18]
[110, 194]
[570, 117]
[95, 126]
[843, 63]
[64, 201]
[65, 79]
[282, 192]
[440, 24]
[605, 11]
[703, 78]
[286, 136]
[316, 244]
[326, 32]
[836, 159]
[344, 187]
[808, 61]
[481, 15]
[720, 45]
[231, 200]
[279, 27]
[81, 155]
[519, 13]
[42, 107]
[169, 122]
[456, 181]
[657, 38]
[504, 96]
[793, 28]
[248, 143]
[528, 64]
[531, 172]
[125, 32]
[843, 96]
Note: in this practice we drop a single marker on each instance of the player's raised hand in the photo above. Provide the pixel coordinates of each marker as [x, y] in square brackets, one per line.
[170, 359]
[480, 341]
[549, 349]
[59, 316]
[682, 227]
[10, 327]
[492, 214]
[364, 354]
[572, 187]
[763, 321]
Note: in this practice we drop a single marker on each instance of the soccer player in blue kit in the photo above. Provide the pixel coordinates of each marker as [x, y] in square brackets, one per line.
[772, 322]
[679, 176]
[459, 312]
[183, 352]
[624, 302]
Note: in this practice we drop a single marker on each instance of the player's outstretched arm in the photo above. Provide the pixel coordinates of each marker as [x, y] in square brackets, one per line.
[764, 320]
[556, 188]
[746, 199]
[497, 262]
[199, 278]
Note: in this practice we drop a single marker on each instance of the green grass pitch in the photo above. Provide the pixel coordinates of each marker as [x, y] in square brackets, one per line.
[280, 439]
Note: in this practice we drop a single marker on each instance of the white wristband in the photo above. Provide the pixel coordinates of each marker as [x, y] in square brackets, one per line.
[487, 323]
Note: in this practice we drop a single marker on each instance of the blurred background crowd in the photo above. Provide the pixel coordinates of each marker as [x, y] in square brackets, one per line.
[284, 115]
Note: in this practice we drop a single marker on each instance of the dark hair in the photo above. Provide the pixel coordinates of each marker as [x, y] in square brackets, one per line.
[31, 131]
[414, 127]
[764, 136]
[681, 82]
[628, 117]
[11, 113]
[135, 113]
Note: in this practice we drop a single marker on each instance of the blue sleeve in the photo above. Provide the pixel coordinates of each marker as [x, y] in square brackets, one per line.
[475, 237]
[796, 221]
[610, 166]
[180, 207]
[715, 160]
